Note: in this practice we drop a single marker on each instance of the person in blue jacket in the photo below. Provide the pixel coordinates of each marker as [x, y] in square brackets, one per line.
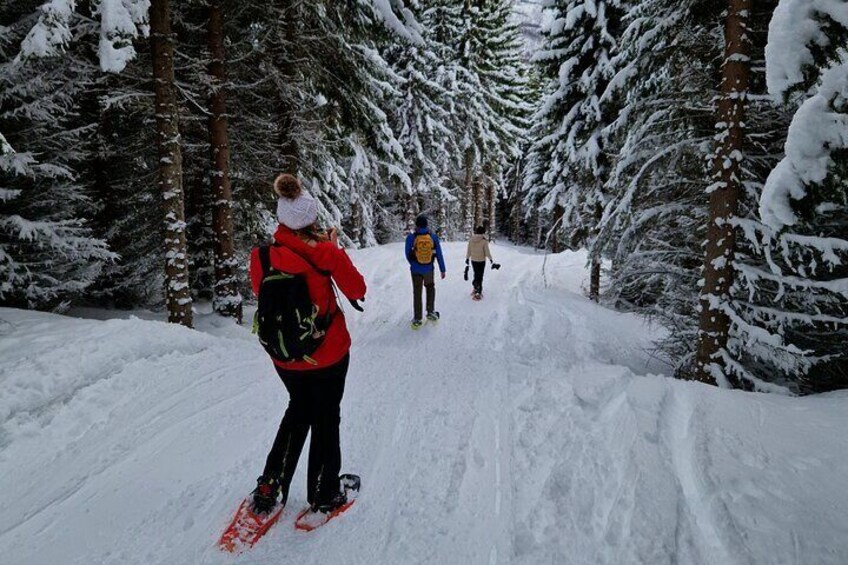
[422, 250]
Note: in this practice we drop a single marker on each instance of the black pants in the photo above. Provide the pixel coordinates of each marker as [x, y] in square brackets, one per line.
[428, 283]
[314, 403]
[479, 269]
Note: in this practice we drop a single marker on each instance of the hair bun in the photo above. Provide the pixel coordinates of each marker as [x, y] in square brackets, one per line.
[287, 186]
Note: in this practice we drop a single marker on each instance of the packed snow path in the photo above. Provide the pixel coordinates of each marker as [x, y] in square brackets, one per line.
[521, 429]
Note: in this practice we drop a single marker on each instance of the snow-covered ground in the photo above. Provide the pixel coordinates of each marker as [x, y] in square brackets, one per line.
[523, 429]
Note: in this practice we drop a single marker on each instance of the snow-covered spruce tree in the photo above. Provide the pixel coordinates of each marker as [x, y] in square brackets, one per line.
[568, 166]
[55, 24]
[506, 77]
[421, 117]
[750, 302]
[487, 77]
[748, 365]
[117, 23]
[253, 160]
[516, 209]
[655, 223]
[227, 298]
[314, 102]
[123, 172]
[725, 192]
[400, 173]
[48, 253]
[204, 132]
[801, 325]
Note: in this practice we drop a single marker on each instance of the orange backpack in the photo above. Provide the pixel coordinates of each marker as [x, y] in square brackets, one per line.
[423, 248]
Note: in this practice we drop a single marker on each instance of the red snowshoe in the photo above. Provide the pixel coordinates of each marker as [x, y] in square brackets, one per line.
[254, 517]
[313, 517]
[248, 527]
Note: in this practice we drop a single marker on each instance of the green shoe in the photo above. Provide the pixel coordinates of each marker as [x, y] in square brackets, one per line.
[416, 324]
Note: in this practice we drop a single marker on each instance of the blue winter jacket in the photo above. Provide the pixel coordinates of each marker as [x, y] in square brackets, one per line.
[416, 267]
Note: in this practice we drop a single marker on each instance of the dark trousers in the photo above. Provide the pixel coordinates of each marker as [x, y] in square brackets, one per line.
[427, 281]
[314, 403]
[479, 269]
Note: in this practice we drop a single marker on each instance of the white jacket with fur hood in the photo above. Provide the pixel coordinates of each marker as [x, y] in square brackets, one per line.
[478, 248]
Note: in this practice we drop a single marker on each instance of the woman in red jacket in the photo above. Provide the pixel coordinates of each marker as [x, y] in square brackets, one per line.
[315, 386]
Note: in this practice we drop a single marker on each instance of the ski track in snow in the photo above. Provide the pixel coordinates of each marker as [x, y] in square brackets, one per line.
[523, 429]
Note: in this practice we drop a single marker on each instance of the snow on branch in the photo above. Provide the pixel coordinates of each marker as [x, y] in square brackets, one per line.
[51, 33]
[14, 162]
[818, 129]
[385, 11]
[796, 30]
[5, 148]
[121, 21]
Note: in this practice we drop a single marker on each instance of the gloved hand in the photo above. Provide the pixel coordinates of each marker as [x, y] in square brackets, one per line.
[496, 266]
[444, 275]
[356, 305]
[465, 276]
[466, 261]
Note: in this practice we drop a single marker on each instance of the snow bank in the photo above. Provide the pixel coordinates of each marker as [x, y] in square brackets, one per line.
[520, 429]
[39, 381]
[623, 469]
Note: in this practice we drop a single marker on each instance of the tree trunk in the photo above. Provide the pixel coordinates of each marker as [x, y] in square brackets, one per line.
[477, 200]
[443, 219]
[177, 291]
[493, 202]
[595, 280]
[595, 268]
[536, 226]
[714, 324]
[411, 211]
[285, 57]
[516, 214]
[556, 226]
[468, 193]
[356, 222]
[227, 300]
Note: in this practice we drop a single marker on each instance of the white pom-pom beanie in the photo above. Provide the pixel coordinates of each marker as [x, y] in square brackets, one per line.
[297, 213]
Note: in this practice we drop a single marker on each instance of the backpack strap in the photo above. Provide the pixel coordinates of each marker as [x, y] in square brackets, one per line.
[265, 259]
[312, 265]
[321, 272]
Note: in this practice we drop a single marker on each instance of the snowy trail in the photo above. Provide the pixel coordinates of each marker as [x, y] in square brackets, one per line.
[517, 430]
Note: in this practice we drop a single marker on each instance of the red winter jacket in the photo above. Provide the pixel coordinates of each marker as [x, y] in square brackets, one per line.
[288, 256]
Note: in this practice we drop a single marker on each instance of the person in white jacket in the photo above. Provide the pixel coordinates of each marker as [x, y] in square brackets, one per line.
[477, 253]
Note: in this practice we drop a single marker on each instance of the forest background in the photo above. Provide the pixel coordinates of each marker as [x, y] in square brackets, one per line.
[697, 149]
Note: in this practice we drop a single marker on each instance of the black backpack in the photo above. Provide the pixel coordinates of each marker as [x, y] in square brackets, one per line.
[286, 319]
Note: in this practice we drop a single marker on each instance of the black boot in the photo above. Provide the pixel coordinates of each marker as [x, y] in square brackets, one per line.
[265, 495]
